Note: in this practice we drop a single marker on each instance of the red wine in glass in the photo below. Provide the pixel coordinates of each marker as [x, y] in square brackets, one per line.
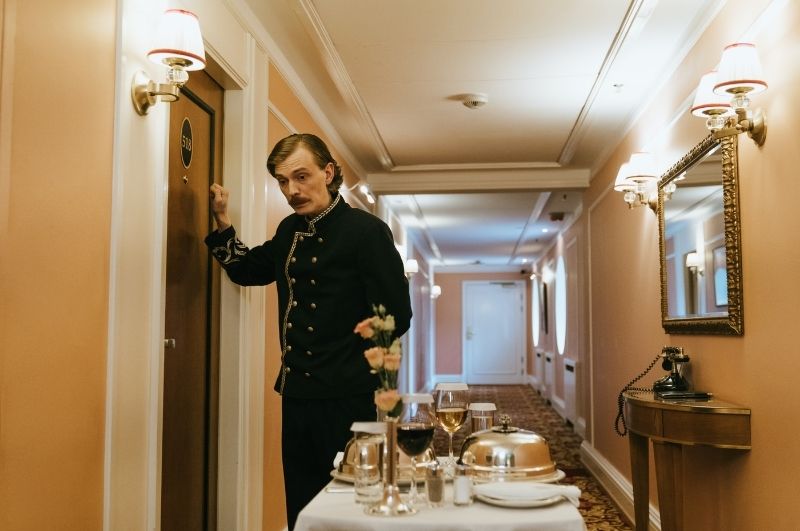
[414, 438]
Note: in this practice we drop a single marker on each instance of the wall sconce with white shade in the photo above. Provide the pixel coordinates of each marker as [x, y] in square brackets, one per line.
[717, 110]
[179, 46]
[739, 75]
[436, 291]
[637, 180]
[365, 191]
[411, 267]
[694, 263]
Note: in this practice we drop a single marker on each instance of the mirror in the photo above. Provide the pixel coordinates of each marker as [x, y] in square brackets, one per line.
[699, 233]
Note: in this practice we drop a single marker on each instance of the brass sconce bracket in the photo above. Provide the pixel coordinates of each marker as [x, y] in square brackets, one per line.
[145, 92]
[755, 126]
[642, 198]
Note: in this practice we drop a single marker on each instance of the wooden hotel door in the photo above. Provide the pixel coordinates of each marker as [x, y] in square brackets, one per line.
[191, 345]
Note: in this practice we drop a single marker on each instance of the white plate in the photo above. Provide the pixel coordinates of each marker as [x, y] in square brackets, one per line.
[555, 477]
[519, 504]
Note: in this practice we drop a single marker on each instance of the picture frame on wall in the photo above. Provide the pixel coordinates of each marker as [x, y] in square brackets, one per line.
[543, 312]
[720, 278]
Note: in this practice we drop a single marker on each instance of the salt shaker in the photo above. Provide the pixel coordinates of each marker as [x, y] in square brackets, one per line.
[462, 486]
[434, 484]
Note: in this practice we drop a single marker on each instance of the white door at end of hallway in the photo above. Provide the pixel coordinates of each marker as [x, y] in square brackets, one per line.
[494, 332]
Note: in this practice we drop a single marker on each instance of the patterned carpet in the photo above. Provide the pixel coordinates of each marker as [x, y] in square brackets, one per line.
[530, 411]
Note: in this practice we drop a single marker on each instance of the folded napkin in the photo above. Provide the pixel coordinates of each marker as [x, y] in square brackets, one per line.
[527, 491]
[338, 459]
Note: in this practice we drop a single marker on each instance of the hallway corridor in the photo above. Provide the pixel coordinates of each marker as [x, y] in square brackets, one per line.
[530, 411]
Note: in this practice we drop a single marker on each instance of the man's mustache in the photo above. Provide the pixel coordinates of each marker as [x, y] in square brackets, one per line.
[297, 201]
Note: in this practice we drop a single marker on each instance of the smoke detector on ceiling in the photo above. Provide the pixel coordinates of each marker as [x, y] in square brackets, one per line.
[475, 100]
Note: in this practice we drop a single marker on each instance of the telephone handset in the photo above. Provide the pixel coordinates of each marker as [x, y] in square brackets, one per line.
[674, 382]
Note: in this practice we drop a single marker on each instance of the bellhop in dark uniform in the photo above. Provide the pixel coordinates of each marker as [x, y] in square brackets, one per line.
[330, 270]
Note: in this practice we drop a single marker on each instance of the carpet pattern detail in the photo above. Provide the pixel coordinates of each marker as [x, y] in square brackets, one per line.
[530, 411]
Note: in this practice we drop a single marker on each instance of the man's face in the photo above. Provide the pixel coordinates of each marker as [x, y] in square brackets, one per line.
[303, 183]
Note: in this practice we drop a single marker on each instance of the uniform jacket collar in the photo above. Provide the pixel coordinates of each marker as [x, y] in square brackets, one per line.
[337, 206]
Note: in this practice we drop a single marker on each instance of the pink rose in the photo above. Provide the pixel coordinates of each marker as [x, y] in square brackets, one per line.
[387, 400]
[364, 328]
[374, 356]
[391, 361]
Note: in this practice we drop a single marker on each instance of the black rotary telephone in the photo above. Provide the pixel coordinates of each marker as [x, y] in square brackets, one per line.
[672, 386]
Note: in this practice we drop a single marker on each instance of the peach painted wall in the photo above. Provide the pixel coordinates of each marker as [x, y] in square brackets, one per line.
[448, 312]
[55, 176]
[723, 489]
[570, 244]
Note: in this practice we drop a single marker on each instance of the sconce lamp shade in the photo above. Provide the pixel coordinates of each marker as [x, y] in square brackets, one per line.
[641, 168]
[622, 184]
[178, 41]
[693, 260]
[436, 290]
[706, 102]
[411, 266]
[740, 70]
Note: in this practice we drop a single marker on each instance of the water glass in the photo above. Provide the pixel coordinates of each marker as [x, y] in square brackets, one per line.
[482, 414]
[369, 446]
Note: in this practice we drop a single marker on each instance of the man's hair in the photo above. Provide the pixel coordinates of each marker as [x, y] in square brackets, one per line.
[314, 144]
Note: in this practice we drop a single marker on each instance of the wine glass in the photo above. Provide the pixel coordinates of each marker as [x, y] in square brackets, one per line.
[452, 400]
[415, 433]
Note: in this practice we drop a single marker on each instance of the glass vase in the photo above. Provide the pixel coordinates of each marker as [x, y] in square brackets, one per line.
[390, 504]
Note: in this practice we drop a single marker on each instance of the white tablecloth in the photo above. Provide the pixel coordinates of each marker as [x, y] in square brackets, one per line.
[338, 512]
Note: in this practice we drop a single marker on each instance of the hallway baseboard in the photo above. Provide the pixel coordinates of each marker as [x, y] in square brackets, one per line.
[615, 484]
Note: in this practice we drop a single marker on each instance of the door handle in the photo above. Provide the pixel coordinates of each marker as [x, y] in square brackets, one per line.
[169, 343]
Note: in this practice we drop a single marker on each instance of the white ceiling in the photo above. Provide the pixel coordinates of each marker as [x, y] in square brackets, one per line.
[564, 81]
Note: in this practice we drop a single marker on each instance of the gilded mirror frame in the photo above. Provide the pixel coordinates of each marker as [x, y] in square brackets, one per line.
[733, 323]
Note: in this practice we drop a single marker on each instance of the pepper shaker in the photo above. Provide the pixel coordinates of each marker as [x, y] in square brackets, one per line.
[434, 484]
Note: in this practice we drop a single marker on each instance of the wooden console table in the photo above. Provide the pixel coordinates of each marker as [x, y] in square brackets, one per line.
[671, 424]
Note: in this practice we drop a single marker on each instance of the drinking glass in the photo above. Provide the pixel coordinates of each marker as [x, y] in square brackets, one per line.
[451, 410]
[367, 448]
[415, 433]
[482, 414]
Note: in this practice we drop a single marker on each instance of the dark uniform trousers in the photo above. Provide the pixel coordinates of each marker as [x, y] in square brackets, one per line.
[313, 432]
[329, 272]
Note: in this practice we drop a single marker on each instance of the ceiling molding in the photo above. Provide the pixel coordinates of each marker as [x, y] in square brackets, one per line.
[477, 166]
[483, 268]
[475, 181]
[265, 42]
[680, 110]
[578, 129]
[536, 211]
[341, 78]
[426, 229]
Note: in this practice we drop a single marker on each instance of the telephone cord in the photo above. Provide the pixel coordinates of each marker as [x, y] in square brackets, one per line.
[621, 400]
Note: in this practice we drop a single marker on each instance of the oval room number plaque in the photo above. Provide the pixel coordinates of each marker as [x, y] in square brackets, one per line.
[186, 142]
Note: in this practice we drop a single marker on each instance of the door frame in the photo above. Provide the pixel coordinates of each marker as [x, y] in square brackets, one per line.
[520, 285]
[137, 275]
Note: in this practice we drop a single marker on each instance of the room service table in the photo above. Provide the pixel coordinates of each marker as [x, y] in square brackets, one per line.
[337, 511]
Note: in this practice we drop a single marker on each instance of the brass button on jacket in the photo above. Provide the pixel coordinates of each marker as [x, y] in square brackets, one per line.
[357, 266]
